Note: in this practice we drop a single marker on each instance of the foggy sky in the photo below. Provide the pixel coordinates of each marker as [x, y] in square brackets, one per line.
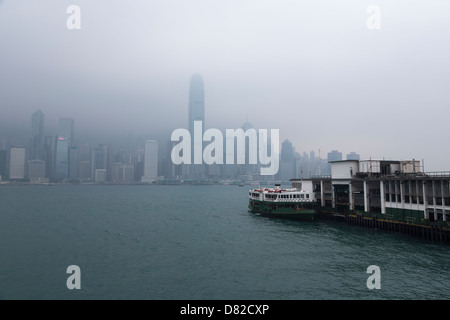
[309, 68]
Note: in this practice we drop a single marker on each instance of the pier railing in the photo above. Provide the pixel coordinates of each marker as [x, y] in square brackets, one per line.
[438, 174]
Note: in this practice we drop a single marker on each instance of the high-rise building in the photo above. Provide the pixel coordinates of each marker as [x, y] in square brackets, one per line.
[62, 159]
[50, 156]
[63, 142]
[100, 158]
[66, 130]
[17, 162]
[150, 161]
[37, 151]
[196, 112]
[334, 155]
[287, 161]
[122, 172]
[85, 156]
[353, 156]
[73, 163]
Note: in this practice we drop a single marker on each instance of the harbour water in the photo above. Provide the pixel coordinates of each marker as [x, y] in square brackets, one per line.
[197, 242]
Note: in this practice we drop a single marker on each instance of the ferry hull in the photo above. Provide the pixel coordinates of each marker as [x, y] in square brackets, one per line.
[293, 211]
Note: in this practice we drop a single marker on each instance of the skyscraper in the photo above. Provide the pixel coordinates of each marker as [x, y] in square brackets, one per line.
[353, 156]
[50, 156]
[150, 161]
[37, 136]
[73, 163]
[66, 130]
[196, 102]
[196, 110]
[63, 142]
[62, 159]
[287, 165]
[334, 155]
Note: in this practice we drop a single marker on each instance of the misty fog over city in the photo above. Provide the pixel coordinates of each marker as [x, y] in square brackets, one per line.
[313, 70]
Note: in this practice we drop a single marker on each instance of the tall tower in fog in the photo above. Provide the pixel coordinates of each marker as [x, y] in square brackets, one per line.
[196, 110]
[196, 101]
[66, 129]
[63, 142]
[37, 136]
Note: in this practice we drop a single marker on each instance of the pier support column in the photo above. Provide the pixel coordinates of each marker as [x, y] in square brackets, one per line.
[333, 197]
[443, 201]
[433, 188]
[425, 200]
[322, 194]
[366, 196]
[350, 197]
[402, 194]
[382, 197]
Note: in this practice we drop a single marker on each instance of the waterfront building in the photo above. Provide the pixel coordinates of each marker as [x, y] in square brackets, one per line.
[100, 175]
[386, 189]
[122, 172]
[17, 163]
[36, 171]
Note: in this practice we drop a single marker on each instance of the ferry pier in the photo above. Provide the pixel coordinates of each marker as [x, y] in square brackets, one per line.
[394, 196]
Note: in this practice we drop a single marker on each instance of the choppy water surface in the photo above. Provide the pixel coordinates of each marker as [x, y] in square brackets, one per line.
[197, 242]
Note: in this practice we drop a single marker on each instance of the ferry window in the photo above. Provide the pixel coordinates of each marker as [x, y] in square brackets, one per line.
[307, 196]
[302, 196]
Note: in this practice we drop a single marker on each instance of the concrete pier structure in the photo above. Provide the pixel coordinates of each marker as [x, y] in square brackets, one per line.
[395, 195]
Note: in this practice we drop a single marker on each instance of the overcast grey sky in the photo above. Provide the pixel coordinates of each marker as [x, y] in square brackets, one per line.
[309, 68]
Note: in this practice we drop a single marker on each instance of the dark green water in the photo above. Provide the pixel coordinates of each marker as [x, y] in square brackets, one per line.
[197, 242]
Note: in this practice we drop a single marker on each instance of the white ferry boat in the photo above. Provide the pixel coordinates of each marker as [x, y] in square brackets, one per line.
[294, 203]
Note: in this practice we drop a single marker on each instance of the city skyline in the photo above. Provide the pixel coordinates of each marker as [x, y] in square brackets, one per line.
[66, 161]
[313, 70]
